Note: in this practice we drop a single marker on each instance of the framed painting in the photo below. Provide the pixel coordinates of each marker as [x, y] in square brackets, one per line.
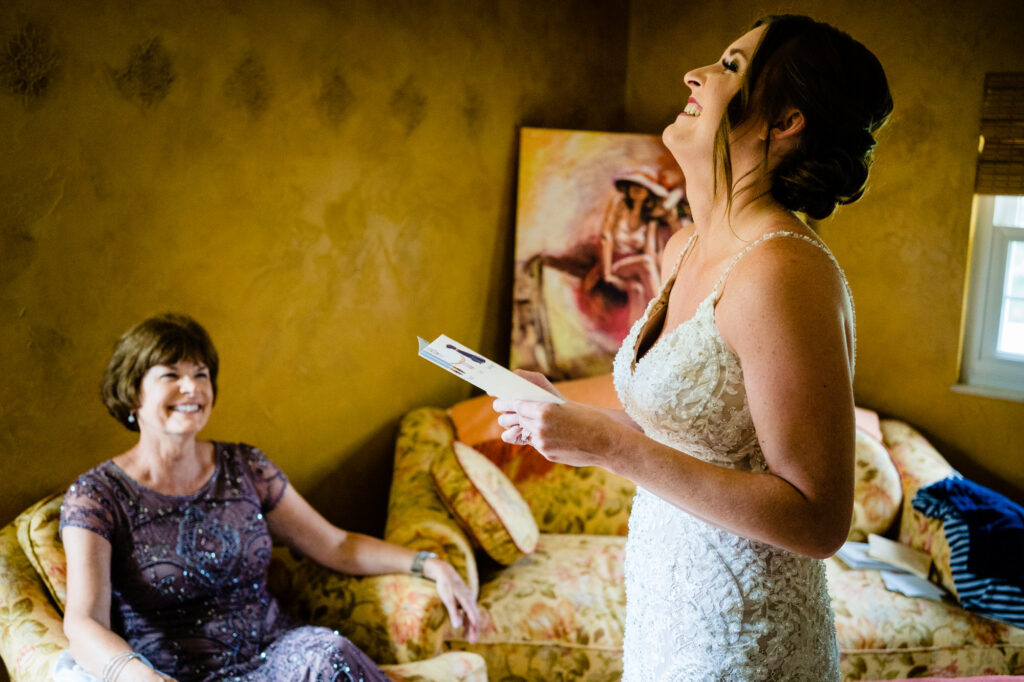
[593, 213]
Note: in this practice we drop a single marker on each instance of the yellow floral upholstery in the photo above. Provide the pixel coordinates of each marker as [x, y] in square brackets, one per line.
[417, 518]
[39, 537]
[557, 614]
[484, 502]
[883, 635]
[919, 464]
[31, 629]
[564, 499]
[877, 489]
[383, 615]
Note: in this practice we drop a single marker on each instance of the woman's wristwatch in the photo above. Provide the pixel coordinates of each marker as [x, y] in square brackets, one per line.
[419, 560]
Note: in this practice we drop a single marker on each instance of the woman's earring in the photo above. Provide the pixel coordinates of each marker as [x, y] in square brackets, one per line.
[131, 418]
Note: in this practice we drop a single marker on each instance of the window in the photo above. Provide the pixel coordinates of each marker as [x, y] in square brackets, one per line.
[993, 337]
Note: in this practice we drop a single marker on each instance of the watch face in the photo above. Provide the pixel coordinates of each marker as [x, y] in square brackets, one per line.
[419, 560]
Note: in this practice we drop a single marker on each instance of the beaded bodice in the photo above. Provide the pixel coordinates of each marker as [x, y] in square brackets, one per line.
[700, 407]
[188, 573]
[702, 603]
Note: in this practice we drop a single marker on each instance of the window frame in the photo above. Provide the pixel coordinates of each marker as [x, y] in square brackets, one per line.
[983, 368]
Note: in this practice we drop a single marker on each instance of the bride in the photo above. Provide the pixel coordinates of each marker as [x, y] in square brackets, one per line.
[738, 425]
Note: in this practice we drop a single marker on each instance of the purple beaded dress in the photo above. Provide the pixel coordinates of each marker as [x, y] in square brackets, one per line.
[189, 576]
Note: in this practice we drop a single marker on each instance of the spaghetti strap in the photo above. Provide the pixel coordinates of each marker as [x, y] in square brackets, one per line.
[679, 259]
[772, 235]
[717, 291]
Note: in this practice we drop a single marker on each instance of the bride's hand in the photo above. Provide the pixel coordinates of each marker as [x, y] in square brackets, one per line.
[570, 433]
[506, 409]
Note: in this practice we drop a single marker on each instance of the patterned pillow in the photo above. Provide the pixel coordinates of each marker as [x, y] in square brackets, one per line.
[484, 502]
[564, 499]
[878, 491]
[39, 537]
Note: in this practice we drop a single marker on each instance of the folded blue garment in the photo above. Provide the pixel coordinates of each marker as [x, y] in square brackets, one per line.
[985, 531]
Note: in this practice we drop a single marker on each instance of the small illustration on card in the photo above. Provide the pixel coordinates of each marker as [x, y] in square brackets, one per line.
[485, 374]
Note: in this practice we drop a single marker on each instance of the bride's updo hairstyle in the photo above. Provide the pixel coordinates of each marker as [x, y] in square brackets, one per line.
[841, 90]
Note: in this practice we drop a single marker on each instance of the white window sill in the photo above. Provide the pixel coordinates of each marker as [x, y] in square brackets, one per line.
[989, 392]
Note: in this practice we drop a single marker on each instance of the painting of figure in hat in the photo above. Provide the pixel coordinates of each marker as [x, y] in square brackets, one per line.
[593, 213]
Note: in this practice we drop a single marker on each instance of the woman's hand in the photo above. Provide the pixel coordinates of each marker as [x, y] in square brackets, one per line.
[571, 433]
[456, 596]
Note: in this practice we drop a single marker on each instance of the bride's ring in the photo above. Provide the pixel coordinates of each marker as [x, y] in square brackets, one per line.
[524, 435]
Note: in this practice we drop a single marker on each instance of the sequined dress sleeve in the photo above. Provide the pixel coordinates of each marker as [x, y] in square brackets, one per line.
[188, 574]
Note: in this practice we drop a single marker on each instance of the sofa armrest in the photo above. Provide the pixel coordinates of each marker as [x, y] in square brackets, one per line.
[393, 618]
[31, 629]
[919, 464]
[417, 518]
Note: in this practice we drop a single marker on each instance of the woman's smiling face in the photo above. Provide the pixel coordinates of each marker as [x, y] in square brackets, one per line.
[175, 399]
[691, 137]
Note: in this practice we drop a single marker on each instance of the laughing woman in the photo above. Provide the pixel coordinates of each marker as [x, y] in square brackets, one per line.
[737, 381]
[168, 544]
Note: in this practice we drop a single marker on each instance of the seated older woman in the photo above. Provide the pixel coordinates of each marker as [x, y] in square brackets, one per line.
[168, 543]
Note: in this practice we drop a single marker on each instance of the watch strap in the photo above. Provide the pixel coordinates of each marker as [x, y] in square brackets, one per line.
[418, 560]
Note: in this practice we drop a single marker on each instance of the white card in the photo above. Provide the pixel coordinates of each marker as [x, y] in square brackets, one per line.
[485, 374]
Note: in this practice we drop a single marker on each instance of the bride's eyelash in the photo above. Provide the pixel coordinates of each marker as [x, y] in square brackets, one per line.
[733, 65]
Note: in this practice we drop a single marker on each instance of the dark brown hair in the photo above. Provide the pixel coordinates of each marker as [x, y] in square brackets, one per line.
[840, 88]
[160, 340]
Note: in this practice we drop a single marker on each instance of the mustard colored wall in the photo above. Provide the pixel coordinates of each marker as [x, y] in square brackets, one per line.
[904, 245]
[316, 182]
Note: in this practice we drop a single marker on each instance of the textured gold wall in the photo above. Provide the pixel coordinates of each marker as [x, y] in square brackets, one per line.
[316, 182]
[904, 246]
[319, 182]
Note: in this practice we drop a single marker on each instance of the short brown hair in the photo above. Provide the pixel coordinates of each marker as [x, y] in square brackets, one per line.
[160, 340]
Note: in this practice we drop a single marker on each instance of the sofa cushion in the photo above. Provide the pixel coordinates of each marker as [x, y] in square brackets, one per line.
[485, 502]
[919, 464]
[39, 537]
[556, 614]
[885, 635]
[878, 492]
[563, 498]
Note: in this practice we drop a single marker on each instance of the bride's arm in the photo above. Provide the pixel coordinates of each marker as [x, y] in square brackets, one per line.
[785, 314]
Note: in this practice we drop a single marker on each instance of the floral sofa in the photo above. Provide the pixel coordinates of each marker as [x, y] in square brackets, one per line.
[557, 612]
[387, 616]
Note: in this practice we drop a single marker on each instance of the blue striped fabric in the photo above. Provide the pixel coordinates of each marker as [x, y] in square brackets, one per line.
[984, 531]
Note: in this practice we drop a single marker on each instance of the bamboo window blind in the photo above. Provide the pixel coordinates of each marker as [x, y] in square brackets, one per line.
[1001, 149]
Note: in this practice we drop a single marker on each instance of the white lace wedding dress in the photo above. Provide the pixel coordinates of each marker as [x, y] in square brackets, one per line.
[703, 604]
